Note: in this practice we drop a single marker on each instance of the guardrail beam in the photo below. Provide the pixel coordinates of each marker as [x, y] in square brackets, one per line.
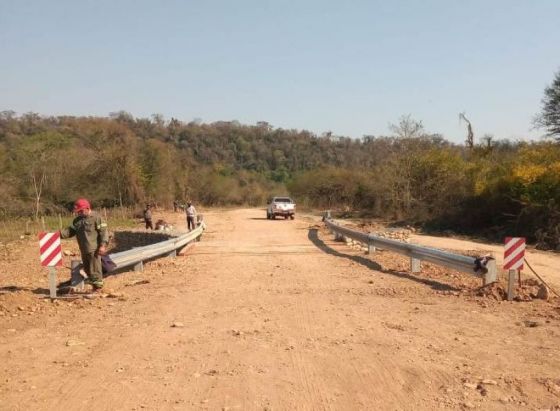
[135, 257]
[418, 253]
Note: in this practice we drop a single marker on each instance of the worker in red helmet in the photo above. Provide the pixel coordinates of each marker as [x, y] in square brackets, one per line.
[91, 232]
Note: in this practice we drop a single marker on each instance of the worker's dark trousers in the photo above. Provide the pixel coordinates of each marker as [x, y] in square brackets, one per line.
[149, 224]
[93, 268]
[190, 223]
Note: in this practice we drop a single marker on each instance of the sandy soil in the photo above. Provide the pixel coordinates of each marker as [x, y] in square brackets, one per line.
[273, 315]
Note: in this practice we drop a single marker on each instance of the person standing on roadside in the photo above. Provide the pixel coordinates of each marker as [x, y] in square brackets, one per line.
[148, 217]
[191, 216]
[91, 232]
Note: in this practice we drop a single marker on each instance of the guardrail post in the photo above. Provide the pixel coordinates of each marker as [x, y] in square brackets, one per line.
[511, 284]
[76, 278]
[139, 266]
[172, 253]
[491, 275]
[370, 248]
[52, 281]
[415, 265]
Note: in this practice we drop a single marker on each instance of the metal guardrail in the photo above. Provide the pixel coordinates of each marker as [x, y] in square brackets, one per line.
[484, 267]
[137, 256]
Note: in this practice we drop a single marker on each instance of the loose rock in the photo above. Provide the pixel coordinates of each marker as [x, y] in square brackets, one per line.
[73, 343]
[543, 293]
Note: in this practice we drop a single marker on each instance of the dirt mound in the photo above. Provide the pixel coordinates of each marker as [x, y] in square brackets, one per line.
[528, 290]
[496, 291]
[401, 234]
[379, 230]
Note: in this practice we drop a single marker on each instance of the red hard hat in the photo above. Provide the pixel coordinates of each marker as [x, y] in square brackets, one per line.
[81, 204]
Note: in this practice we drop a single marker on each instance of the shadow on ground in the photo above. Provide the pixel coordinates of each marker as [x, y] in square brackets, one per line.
[14, 289]
[436, 285]
[121, 241]
[264, 218]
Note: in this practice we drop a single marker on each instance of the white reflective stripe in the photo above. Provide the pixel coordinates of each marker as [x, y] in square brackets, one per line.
[517, 265]
[47, 238]
[47, 253]
[514, 254]
[511, 242]
[55, 260]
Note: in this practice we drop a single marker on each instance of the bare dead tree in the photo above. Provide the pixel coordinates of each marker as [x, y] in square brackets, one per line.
[407, 127]
[38, 182]
[470, 134]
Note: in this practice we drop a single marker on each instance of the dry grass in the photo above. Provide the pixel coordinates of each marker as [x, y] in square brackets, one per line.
[20, 227]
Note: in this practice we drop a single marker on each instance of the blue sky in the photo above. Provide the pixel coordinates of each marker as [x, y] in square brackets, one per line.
[347, 67]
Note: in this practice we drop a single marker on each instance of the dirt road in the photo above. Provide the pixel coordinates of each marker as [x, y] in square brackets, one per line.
[273, 315]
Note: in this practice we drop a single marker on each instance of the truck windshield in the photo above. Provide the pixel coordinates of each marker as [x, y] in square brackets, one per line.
[282, 200]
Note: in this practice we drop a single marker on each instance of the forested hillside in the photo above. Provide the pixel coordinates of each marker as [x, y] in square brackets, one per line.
[490, 188]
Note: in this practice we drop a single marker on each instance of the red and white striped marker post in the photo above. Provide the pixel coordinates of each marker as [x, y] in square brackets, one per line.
[514, 256]
[51, 256]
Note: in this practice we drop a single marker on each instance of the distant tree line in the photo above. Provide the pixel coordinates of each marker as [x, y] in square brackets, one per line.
[488, 187]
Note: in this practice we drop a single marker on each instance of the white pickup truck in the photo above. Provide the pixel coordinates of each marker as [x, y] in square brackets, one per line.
[281, 206]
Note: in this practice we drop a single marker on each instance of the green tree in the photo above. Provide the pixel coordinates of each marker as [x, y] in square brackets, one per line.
[549, 118]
